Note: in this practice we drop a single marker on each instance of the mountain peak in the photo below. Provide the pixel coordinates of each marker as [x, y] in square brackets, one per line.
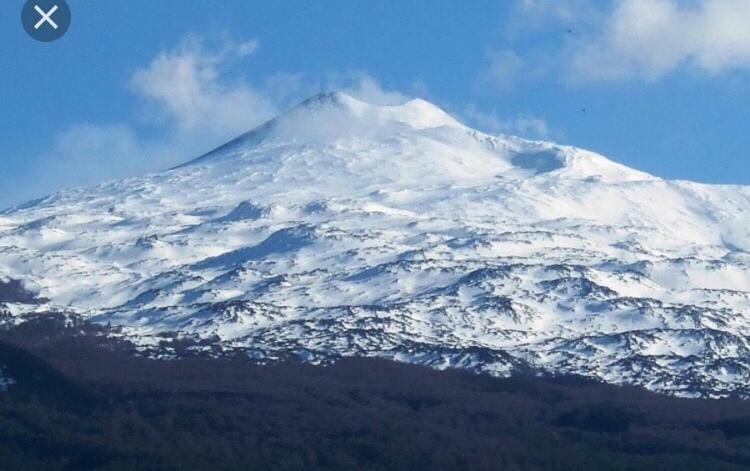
[349, 228]
[434, 146]
[416, 112]
[331, 116]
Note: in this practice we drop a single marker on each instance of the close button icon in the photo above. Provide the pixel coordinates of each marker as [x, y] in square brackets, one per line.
[45, 20]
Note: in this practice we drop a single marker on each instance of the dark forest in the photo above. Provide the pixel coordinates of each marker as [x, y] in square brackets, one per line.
[82, 402]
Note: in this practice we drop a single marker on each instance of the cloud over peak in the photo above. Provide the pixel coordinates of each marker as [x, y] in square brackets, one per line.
[185, 87]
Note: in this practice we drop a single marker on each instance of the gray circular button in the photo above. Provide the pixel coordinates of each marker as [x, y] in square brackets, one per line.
[45, 20]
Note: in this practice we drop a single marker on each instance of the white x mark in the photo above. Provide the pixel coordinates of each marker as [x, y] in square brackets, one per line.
[46, 17]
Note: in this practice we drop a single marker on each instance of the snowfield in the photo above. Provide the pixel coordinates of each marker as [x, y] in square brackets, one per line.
[343, 228]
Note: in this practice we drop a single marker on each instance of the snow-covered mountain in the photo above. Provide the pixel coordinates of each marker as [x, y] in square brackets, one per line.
[345, 228]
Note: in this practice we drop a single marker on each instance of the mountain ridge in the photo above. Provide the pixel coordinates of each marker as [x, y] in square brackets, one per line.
[343, 228]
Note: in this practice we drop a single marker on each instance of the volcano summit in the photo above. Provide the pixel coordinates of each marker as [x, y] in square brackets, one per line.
[343, 228]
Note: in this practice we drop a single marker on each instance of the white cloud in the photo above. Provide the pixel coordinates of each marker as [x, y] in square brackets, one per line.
[192, 102]
[530, 127]
[368, 89]
[553, 17]
[246, 48]
[186, 89]
[552, 10]
[195, 108]
[287, 89]
[648, 39]
[505, 68]
[91, 152]
[85, 154]
[293, 88]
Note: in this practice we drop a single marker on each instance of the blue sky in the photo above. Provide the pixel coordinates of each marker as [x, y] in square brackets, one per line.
[136, 86]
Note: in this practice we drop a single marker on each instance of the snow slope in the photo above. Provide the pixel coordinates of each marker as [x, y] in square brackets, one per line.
[345, 228]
